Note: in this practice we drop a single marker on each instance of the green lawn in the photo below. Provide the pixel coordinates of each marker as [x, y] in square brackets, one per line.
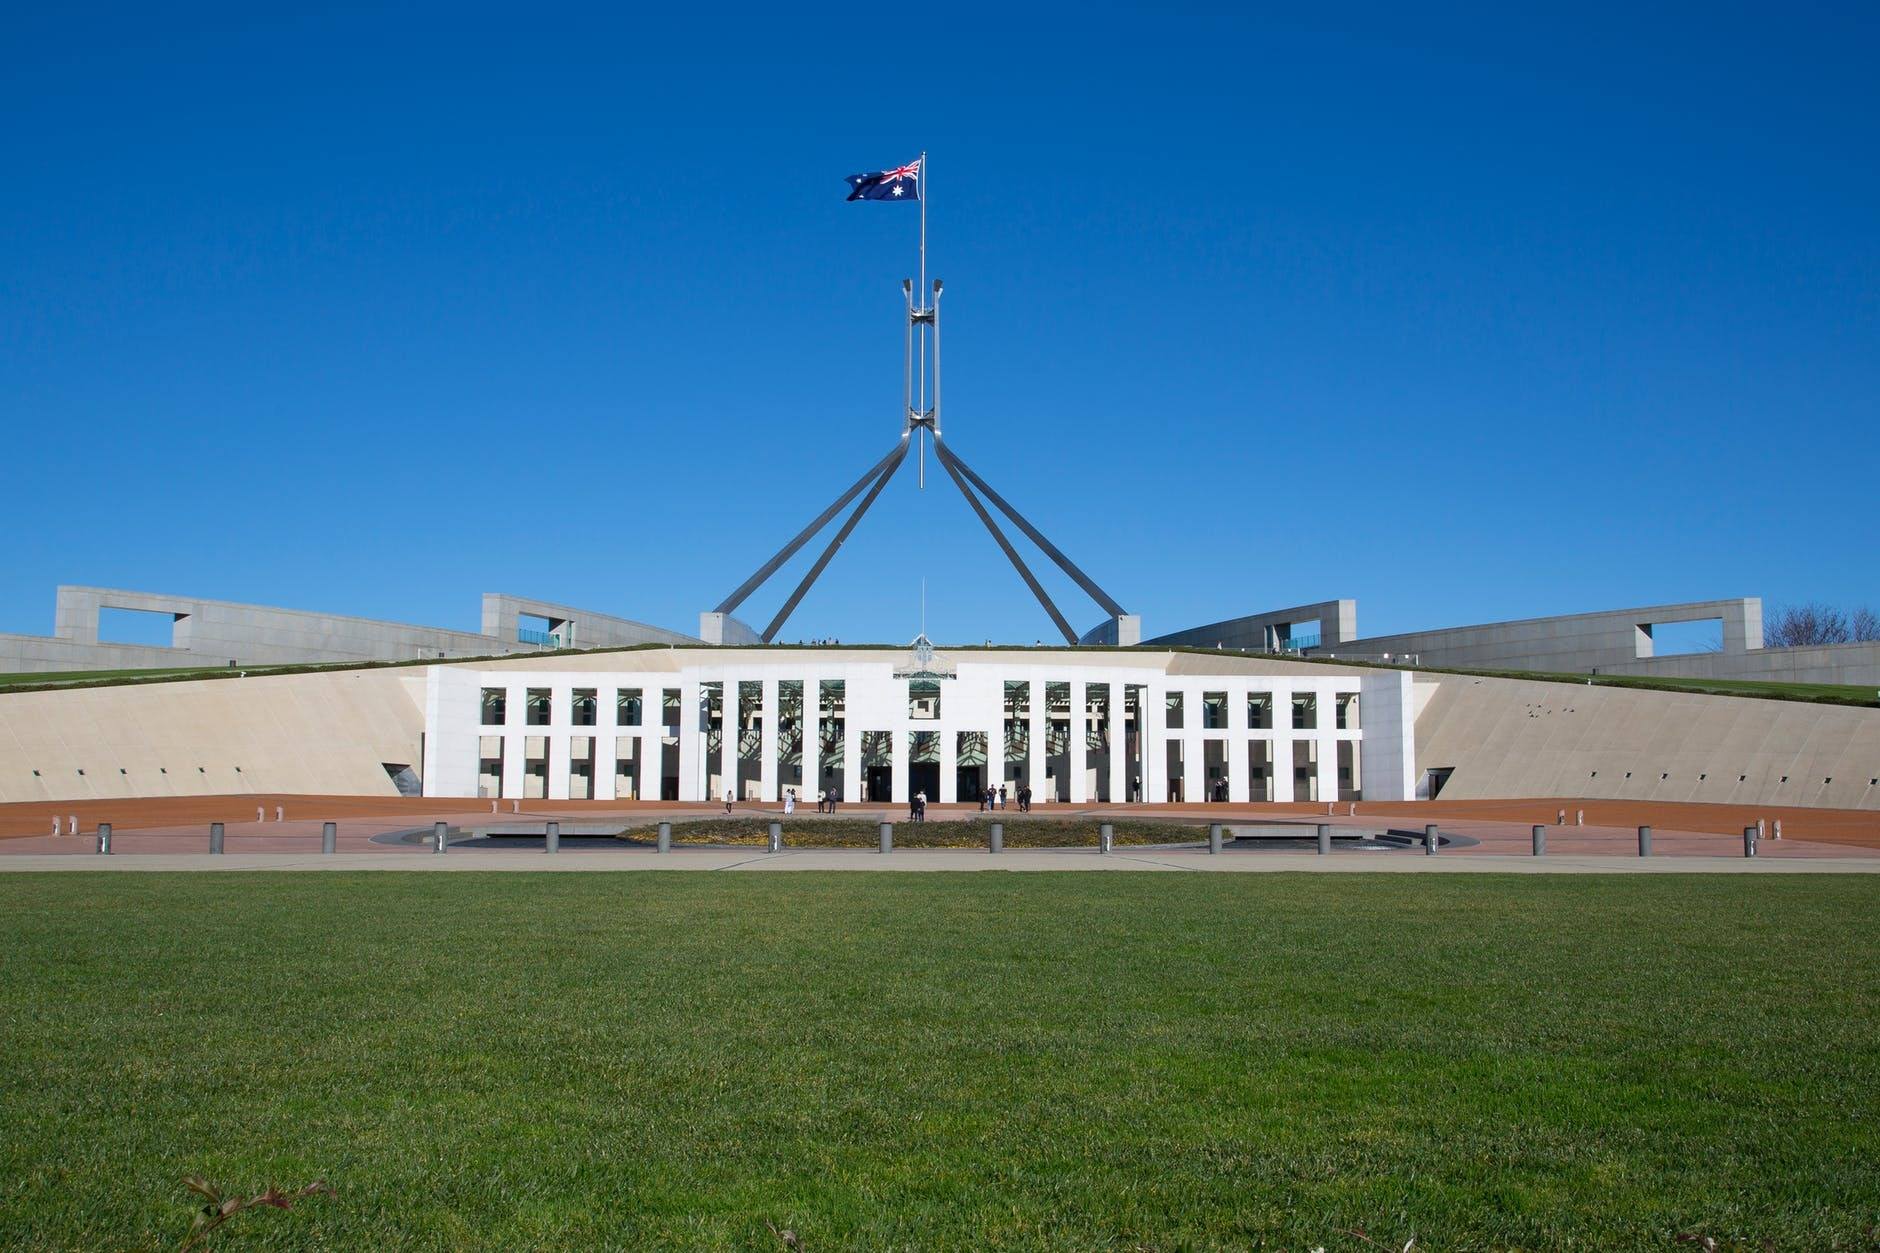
[936, 1061]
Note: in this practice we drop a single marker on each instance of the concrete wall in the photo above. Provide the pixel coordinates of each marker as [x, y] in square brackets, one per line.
[223, 633]
[1522, 737]
[1570, 643]
[315, 733]
[1855, 664]
[1265, 632]
[579, 628]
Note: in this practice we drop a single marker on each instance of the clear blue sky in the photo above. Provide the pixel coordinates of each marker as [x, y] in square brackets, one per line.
[1469, 315]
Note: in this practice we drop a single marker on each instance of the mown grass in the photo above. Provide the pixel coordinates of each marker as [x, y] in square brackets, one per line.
[1063, 1061]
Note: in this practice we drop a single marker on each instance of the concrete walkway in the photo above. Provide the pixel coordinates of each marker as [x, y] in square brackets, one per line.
[947, 859]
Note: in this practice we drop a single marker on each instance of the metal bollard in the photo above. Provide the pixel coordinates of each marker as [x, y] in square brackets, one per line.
[329, 836]
[886, 833]
[776, 837]
[55, 824]
[261, 815]
[215, 837]
[438, 840]
[665, 837]
[1214, 837]
[104, 837]
[492, 806]
[1540, 841]
[995, 840]
[1778, 830]
[1579, 817]
[1749, 841]
[1561, 821]
[1325, 838]
[515, 807]
[280, 813]
[1430, 840]
[1106, 836]
[1644, 841]
[551, 841]
[71, 824]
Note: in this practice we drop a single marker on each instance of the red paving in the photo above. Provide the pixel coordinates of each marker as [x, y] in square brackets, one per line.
[178, 824]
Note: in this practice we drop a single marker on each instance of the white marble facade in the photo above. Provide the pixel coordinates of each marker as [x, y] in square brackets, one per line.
[525, 732]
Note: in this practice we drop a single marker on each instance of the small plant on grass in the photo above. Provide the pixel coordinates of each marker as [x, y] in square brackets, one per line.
[218, 1209]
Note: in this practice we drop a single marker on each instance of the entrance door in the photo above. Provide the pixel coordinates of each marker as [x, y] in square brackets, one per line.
[969, 780]
[880, 783]
[924, 776]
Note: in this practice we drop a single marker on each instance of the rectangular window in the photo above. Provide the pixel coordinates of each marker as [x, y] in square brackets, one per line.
[495, 706]
[541, 707]
[490, 767]
[1347, 711]
[923, 699]
[1172, 711]
[628, 707]
[1305, 708]
[585, 706]
[1260, 711]
[1214, 711]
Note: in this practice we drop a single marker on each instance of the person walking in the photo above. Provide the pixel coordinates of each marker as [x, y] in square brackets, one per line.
[727, 800]
[920, 806]
[789, 803]
[1002, 796]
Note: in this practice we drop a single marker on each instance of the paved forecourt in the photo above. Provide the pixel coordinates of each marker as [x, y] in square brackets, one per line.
[1175, 860]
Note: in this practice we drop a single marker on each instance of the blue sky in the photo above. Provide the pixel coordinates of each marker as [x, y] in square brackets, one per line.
[1469, 315]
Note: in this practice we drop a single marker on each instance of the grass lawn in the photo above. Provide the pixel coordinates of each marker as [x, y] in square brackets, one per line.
[933, 1061]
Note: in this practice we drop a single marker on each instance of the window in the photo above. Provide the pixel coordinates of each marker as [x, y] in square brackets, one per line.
[541, 707]
[1305, 708]
[1260, 711]
[585, 706]
[1347, 705]
[495, 706]
[628, 707]
[1172, 711]
[1214, 710]
[923, 698]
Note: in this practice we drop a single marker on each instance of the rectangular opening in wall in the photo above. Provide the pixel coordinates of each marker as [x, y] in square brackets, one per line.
[495, 706]
[1350, 778]
[490, 767]
[1259, 770]
[581, 768]
[629, 706]
[627, 767]
[147, 627]
[540, 707]
[534, 628]
[535, 767]
[586, 707]
[1305, 770]
[1681, 639]
[790, 735]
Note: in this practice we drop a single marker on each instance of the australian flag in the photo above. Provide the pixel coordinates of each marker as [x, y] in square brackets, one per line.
[897, 184]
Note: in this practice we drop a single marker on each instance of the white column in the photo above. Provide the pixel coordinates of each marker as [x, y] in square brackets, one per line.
[767, 743]
[949, 767]
[995, 746]
[852, 757]
[812, 741]
[606, 731]
[1079, 745]
[897, 786]
[1040, 740]
[729, 733]
[1119, 743]
[1328, 745]
[1194, 750]
[1237, 722]
[691, 740]
[1154, 753]
[1282, 744]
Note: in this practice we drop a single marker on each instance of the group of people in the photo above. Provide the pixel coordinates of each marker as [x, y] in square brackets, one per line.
[917, 807]
[995, 798]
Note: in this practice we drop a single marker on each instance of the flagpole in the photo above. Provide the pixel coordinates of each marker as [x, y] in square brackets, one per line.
[920, 295]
